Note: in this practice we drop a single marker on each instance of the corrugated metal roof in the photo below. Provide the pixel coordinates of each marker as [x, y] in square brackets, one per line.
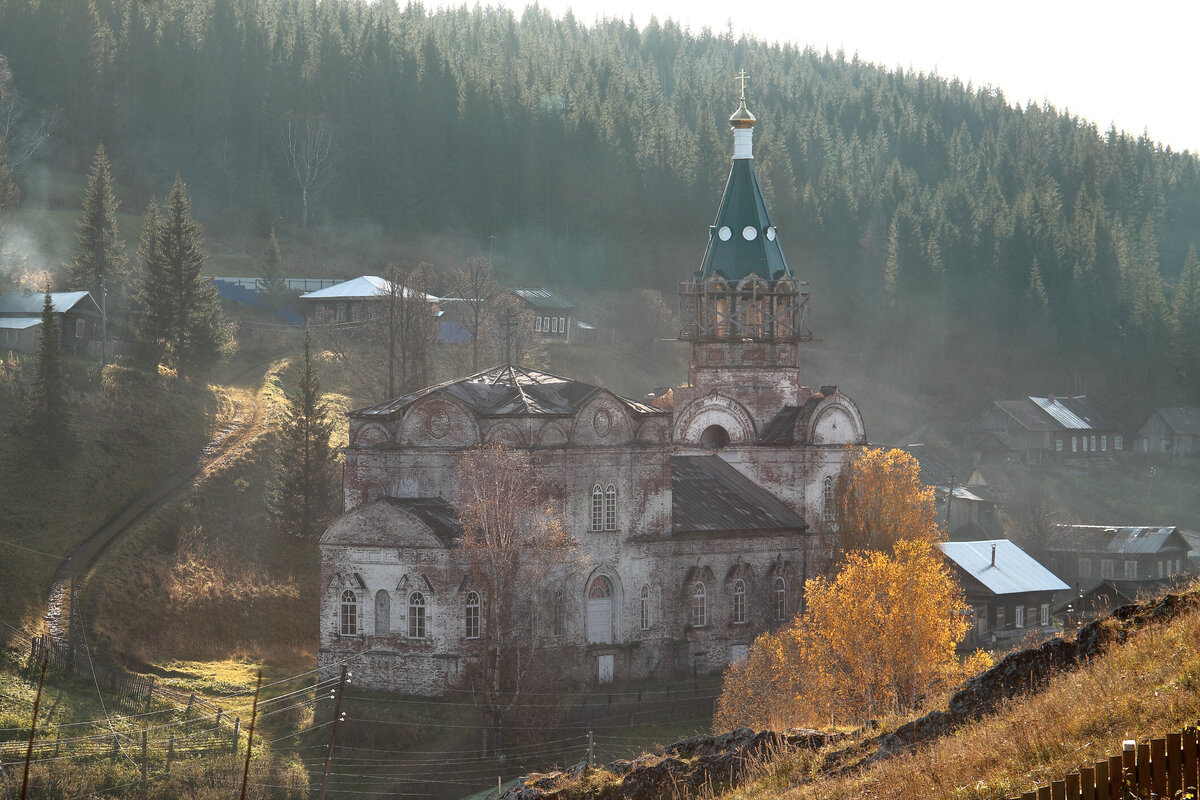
[31, 303]
[361, 287]
[710, 496]
[1130, 539]
[19, 323]
[1061, 414]
[543, 298]
[1014, 571]
[1027, 414]
[1182, 421]
[510, 390]
[934, 471]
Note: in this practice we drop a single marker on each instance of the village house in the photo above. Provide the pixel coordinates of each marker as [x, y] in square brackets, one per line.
[1010, 594]
[353, 301]
[697, 524]
[553, 316]
[1106, 565]
[77, 315]
[964, 512]
[1174, 432]
[1037, 430]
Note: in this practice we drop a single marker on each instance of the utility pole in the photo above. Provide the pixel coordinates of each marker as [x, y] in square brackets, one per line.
[37, 699]
[337, 715]
[949, 500]
[250, 739]
[103, 323]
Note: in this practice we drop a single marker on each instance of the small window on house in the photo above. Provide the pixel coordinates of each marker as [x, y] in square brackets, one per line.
[1103, 443]
[80, 329]
[1130, 570]
[537, 324]
[1019, 621]
[1085, 568]
[610, 508]
[341, 312]
[780, 599]
[1162, 570]
[1118, 442]
[356, 313]
[562, 325]
[1074, 444]
[416, 616]
[472, 617]
[829, 498]
[1000, 618]
[739, 602]
[1045, 618]
[597, 507]
[1093, 448]
[559, 615]
[349, 614]
[699, 605]
[645, 608]
[554, 324]
[1106, 568]
[1058, 445]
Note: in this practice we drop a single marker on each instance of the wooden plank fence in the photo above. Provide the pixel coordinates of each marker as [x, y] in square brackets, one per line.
[1167, 768]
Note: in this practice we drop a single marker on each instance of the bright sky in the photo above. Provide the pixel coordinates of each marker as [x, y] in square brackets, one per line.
[1132, 64]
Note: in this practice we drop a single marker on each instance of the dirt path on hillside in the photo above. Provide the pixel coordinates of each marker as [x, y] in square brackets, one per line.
[240, 421]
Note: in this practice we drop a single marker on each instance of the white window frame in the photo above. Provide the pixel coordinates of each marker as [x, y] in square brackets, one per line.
[562, 324]
[1131, 569]
[1019, 617]
[1045, 617]
[1074, 444]
[1107, 568]
[1058, 445]
[554, 324]
[699, 605]
[80, 328]
[829, 500]
[780, 599]
[597, 507]
[1085, 568]
[645, 607]
[610, 507]
[472, 616]
[349, 614]
[1093, 449]
[537, 324]
[1104, 443]
[1118, 441]
[739, 602]
[417, 628]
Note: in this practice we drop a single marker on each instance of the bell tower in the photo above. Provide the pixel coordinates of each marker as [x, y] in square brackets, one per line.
[744, 312]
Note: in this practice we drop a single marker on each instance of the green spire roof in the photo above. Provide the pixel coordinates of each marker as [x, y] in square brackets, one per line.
[731, 253]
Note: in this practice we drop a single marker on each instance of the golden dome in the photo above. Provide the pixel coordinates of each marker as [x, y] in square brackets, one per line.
[742, 118]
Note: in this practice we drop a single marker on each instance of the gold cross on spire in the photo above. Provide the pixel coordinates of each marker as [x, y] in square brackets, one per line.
[741, 78]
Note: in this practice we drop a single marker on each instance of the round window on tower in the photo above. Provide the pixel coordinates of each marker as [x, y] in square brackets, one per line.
[749, 233]
[771, 234]
[724, 233]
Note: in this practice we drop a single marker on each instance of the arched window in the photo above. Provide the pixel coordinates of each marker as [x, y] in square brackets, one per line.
[830, 498]
[739, 602]
[559, 614]
[714, 436]
[472, 618]
[610, 508]
[699, 605]
[597, 507]
[780, 599]
[416, 616]
[349, 614]
[645, 608]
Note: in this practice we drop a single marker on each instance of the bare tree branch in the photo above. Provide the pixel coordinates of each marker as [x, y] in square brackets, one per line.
[309, 149]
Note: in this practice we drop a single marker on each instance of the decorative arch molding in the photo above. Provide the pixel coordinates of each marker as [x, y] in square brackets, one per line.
[603, 421]
[439, 421]
[370, 435]
[552, 434]
[652, 432]
[715, 409]
[615, 602]
[835, 421]
[506, 434]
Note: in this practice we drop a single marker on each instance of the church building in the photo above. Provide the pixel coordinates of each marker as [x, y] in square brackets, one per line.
[698, 525]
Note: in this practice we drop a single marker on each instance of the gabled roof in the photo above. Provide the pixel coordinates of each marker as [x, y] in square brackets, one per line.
[1014, 570]
[27, 303]
[1027, 414]
[710, 496]
[1181, 421]
[1127, 540]
[1075, 413]
[510, 390]
[364, 286]
[543, 298]
[19, 323]
[934, 471]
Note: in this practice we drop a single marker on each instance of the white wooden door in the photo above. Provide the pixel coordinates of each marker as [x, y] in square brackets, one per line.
[600, 611]
[604, 669]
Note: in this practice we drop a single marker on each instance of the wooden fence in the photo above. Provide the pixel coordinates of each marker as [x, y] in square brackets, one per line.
[1160, 768]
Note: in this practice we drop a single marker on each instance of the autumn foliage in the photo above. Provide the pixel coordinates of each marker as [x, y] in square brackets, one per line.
[881, 500]
[875, 640]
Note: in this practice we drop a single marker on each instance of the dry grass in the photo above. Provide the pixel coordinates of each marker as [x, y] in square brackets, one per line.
[1146, 687]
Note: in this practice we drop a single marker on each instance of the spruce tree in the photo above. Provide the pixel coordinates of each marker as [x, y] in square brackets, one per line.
[272, 278]
[1186, 312]
[152, 298]
[301, 491]
[99, 252]
[46, 417]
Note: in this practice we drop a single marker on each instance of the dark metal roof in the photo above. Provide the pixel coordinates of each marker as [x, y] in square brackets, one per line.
[1181, 421]
[742, 207]
[543, 298]
[710, 496]
[780, 429]
[510, 390]
[434, 512]
[1126, 540]
[1012, 572]
[1027, 414]
[934, 471]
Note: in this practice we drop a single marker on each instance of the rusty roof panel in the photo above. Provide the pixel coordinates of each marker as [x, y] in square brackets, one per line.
[708, 495]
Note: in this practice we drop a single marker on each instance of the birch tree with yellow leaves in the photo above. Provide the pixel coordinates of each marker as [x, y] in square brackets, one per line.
[881, 500]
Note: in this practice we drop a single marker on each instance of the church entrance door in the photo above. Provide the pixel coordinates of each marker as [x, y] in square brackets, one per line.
[600, 611]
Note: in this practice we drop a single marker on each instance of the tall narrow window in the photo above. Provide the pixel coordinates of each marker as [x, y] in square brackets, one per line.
[610, 508]
[780, 599]
[416, 616]
[830, 500]
[557, 628]
[472, 618]
[537, 324]
[1045, 618]
[739, 602]
[597, 507]
[1020, 619]
[645, 608]
[349, 614]
[699, 605]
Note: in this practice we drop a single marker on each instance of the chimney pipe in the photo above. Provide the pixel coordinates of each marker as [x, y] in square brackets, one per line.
[993, 555]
